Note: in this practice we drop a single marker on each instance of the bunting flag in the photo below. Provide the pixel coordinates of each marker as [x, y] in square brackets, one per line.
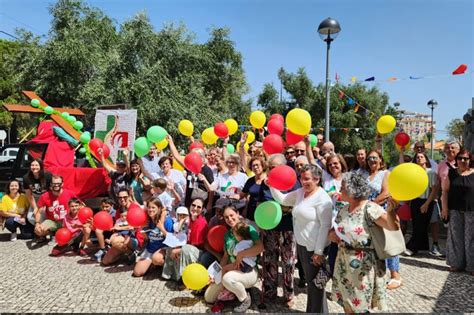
[461, 69]
[356, 108]
[350, 101]
[341, 95]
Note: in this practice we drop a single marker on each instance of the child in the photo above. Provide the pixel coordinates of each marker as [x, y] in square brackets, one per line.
[242, 235]
[166, 193]
[181, 225]
[107, 205]
[121, 228]
[74, 225]
[159, 224]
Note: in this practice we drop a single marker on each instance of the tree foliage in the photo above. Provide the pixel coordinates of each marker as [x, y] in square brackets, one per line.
[455, 129]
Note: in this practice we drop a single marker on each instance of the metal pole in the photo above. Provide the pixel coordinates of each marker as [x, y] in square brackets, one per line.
[326, 130]
[432, 135]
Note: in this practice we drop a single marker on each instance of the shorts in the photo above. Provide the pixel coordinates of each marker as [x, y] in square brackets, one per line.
[146, 255]
[53, 226]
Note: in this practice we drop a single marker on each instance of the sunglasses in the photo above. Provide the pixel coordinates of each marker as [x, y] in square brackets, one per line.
[196, 206]
[56, 184]
[463, 158]
[290, 152]
[125, 197]
[372, 158]
[300, 151]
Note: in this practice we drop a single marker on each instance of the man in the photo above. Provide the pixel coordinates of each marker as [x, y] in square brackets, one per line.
[150, 161]
[54, 204]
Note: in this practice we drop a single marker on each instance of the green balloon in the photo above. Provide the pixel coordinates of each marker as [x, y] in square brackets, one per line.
[141, 146]
[156, 134]
[313, 140]
[65, 115]
[82, 150]
[268, 215]
[35, 102]
[230, 148]
[78, 125]
[48, 110]
[85, 137]
[71, 119]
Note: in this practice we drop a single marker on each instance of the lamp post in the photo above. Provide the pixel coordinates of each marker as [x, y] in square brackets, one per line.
[328, 31]
[432, 104]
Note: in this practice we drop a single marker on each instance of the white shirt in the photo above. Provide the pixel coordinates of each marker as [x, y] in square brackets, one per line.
[227, 185]
[151, 165]
[178, 179]
[311, 217]
[243, 245]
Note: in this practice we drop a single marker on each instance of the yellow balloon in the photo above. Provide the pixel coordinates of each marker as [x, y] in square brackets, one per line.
[162, 144]
[386, 124]
[208, 136]
[250, 137]
[407, 181]
[177, 166]
[258, 119]
[399, 148]
[186, 127]
[195, 276]
[298, 121]
[232, 125]
[246, 146]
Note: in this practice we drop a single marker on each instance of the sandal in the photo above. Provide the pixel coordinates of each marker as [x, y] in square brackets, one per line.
[394, 284]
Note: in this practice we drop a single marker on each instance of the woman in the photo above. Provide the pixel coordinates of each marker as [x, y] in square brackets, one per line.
[421, 208]
[13, 210]
[236, 281]
[312, 214]
[358, 280]
[251, 189]
[458, 197]
[377, 177]
[139, 183]
[159, 224]
[211, 155]
[36, 182]
[178, 258]
[172, 175]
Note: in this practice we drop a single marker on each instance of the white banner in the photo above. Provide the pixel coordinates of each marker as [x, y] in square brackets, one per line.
[116, 128]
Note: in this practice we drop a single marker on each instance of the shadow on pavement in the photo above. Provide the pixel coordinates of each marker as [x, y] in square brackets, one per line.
[32, 245]
[183, 301]
[457, 295]
[422, 264]
[87, 261]
[118, 268]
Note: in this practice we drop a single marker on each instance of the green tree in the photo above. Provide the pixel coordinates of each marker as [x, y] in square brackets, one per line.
[455, 129]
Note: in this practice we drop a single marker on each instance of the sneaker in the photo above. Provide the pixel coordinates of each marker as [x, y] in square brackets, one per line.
[99, 255]
[409, 253]
[13, 237]
[435, 251]
[244, 305]
[56, 251]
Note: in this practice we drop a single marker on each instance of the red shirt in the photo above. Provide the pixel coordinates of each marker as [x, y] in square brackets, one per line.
[56, 206]
[197, 231]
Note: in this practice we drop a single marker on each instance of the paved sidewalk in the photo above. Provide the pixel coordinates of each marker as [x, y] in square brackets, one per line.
[31, 281]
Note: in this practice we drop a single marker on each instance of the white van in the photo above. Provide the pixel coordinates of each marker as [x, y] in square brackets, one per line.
[8, 154]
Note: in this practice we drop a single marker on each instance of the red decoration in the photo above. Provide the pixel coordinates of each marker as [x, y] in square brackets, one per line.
[193, 162]
[196, 145]
[63, 236]
[95, 144]
[215, 237]
[460, 70]
[282, 177]
[136, 216]
[278, 117]
[273, 144]
[103, 221]
[275, 126]
[291, 138]
[402, 139]
[221, 130]
[105, 150]
[85, 214]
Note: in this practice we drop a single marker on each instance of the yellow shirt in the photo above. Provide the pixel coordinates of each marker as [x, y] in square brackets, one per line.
[17, 205]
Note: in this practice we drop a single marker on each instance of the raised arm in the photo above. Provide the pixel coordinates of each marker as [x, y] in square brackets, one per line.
[176, 156]
[288, 200]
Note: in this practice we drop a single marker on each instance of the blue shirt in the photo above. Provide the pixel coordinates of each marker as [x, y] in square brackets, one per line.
[156, 237]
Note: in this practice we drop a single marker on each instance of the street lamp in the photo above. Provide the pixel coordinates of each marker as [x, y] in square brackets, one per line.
[432, 104]
[328, 31]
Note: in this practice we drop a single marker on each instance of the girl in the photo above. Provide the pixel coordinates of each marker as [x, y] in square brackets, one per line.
[159, 224]
[107, 205]
[13, 208]
[182, 222]
[36, 182]
[140, 184]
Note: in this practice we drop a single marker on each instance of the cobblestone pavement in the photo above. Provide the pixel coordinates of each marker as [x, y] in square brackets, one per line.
[31, 281]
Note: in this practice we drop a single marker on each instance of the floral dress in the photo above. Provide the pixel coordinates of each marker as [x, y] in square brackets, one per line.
[359, 277]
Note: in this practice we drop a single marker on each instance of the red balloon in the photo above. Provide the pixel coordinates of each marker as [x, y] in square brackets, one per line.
[63, 236]
[196, 145]
[275, 126]
[105, 150]
[95, 144]
[136, 216]
[282, 177]
[221, 130]
[402, 139]
[85, 214]
[193, 162]
[278, 117]
[215, 237]
[103, 221]
[273, 144]
[291, 138]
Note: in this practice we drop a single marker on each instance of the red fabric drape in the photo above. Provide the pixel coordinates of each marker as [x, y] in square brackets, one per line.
[84, 182]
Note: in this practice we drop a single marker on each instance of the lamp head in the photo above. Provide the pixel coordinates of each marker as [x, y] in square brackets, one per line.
[329, 29]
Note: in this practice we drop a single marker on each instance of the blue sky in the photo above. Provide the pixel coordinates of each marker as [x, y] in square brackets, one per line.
[390, 38]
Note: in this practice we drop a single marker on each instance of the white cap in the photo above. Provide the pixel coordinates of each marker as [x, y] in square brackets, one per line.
[182, 210]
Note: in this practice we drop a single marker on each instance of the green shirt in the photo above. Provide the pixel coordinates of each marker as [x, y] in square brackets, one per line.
[230, 241]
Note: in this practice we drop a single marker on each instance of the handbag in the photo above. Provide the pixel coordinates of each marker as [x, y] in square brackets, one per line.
[322, 277]
[387, 243]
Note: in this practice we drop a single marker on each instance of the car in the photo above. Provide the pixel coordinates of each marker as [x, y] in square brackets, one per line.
[8, 154]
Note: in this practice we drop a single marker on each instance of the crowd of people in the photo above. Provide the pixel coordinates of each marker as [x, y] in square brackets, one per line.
[324, 231]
